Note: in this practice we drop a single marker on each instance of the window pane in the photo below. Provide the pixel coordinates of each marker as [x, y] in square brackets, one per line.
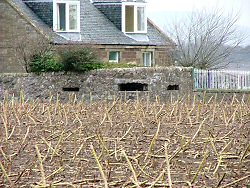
[73, 17]
[61, 22]
[147, 59]
[129, 18]
[114, 57]
[141, 19]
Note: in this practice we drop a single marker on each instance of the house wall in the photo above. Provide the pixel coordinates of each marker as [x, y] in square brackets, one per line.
[128, 54]
[14, 31]
[100, 84]
[134, 54]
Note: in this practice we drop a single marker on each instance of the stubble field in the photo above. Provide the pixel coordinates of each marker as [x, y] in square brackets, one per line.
[187, 142]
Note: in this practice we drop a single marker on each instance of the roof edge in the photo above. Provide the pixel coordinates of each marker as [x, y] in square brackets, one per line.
[104, 44]
[106, 3]
[161, 32]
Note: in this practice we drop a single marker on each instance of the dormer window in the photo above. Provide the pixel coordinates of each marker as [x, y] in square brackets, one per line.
[66, 16]
[134, 18]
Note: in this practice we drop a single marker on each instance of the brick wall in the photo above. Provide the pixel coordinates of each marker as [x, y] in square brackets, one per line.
[14, 30]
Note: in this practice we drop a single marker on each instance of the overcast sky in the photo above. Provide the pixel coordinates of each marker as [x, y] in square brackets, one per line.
[164, 11]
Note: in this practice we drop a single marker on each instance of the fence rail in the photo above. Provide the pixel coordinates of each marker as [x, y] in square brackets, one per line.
[221, 80]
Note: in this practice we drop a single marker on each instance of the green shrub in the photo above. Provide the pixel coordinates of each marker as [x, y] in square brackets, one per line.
[80, 60]
[71, 60]
[90, 66]
[45, 63]
[118, 65]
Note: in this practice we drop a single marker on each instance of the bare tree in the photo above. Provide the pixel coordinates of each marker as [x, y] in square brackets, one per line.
[27, 47]
[205, 39]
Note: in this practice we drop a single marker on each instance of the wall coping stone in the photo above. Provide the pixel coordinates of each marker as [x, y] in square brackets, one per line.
[120, 70]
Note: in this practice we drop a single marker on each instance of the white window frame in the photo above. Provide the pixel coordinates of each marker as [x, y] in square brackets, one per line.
[136, 5]
[117, 57]
[55, 18]
[151, 64]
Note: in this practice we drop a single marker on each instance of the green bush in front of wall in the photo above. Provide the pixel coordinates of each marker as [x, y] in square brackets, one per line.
[118, 65]
[71, 60]
[45, 63]
[79, 60]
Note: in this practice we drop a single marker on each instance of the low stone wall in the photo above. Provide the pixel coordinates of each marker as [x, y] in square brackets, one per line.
[100, 84]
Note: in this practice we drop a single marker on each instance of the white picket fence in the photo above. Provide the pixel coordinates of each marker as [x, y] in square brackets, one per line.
[221, 80]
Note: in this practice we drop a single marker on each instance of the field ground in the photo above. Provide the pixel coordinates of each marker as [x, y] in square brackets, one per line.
[183, 143]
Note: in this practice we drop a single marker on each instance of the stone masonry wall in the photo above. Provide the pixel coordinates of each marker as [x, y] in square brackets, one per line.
[134, 54]
[128, 54]
[14, 30]
[100, 84]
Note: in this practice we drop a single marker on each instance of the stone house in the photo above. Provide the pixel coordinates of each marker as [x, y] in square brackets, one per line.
[118, 30]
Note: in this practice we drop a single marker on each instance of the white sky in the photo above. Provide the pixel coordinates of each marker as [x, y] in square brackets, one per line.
[236, 6]
[164, 11]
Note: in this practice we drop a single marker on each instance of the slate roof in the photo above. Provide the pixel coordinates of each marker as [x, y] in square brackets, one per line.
[44, 10]
[95, 28]
[115, 1]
